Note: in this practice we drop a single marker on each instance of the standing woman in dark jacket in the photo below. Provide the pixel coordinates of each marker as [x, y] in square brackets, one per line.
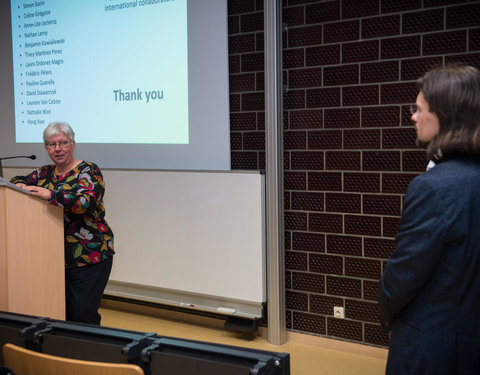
[76, 186]
[429, 295]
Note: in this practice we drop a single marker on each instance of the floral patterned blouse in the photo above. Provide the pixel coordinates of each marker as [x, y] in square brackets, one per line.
[88, 238]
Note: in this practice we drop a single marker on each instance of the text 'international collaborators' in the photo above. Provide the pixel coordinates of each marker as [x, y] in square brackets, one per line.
[134, 4]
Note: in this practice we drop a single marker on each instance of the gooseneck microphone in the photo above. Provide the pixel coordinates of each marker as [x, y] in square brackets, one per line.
[33, 157]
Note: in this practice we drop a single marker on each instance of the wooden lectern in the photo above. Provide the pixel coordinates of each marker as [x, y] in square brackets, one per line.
[32, 261]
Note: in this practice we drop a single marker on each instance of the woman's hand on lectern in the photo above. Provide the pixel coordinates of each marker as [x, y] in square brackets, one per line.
[40, 192]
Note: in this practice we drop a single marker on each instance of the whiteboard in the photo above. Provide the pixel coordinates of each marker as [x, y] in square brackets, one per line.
[193, 238]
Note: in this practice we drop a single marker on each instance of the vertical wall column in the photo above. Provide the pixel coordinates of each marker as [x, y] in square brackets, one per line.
[274, 171]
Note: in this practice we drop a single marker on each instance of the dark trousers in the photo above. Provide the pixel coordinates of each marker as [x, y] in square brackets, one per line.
[84, 288]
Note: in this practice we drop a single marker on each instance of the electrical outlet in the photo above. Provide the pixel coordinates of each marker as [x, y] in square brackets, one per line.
[338, 312]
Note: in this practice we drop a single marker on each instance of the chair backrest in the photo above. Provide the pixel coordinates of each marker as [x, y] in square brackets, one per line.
[27, 362]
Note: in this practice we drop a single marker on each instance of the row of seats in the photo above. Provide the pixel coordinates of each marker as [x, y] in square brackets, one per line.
[148, 352]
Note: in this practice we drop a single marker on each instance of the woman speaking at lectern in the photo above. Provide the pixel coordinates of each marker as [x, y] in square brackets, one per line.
[76, 186]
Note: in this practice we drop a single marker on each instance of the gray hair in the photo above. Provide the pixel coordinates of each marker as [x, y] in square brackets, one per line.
[54, 128]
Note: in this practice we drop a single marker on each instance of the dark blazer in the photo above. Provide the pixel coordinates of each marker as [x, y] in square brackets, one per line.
[429, 295]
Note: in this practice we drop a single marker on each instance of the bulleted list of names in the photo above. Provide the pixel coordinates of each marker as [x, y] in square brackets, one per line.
[38, 58]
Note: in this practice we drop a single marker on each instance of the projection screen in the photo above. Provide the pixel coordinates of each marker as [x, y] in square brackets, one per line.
[143, 83]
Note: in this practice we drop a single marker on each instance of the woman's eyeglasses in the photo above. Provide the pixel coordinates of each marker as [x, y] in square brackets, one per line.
[61, 144]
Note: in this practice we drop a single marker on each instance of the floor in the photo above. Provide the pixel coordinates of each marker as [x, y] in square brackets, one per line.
[309, 355]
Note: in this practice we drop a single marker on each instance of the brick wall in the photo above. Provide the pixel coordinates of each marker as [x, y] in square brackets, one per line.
[350, 67]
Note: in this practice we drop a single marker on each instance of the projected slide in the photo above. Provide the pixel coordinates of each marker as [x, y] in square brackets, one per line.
[116, 70]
